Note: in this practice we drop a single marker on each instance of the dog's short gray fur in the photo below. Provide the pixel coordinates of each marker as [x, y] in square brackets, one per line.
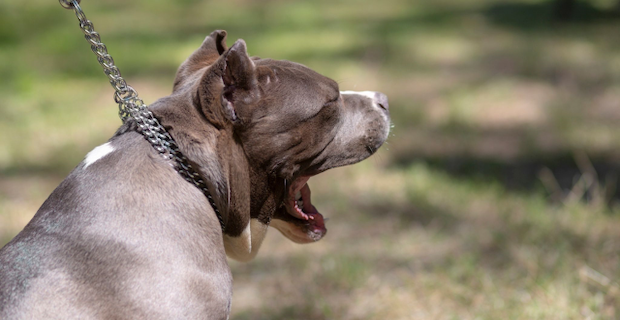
[125, 237]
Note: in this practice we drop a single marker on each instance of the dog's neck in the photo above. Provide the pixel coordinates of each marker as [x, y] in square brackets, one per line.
[210, 144]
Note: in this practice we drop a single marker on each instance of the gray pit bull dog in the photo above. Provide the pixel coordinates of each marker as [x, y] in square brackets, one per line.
[124, 236]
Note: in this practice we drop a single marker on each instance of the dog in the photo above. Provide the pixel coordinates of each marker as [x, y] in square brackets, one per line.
[124, 236]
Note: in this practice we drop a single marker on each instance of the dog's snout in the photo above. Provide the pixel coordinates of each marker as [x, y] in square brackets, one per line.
[377, 98]
[382, 100]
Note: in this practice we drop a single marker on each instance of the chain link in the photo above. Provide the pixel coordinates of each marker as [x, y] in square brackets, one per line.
[131, 107]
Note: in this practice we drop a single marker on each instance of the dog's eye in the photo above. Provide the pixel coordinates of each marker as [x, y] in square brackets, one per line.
[332, 101]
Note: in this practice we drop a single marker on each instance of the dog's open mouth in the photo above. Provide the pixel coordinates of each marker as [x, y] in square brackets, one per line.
[309, 223]
[299, 203]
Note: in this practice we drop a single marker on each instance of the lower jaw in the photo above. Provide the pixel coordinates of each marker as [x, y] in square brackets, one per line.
[299, 230]
[299, 233]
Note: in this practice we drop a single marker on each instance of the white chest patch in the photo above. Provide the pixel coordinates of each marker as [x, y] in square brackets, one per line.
[245, 246]
[98, 153]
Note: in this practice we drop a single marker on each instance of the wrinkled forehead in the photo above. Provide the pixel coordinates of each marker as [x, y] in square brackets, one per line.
[298, 74]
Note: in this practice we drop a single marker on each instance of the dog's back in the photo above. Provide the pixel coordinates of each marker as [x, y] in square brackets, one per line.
[85, 254]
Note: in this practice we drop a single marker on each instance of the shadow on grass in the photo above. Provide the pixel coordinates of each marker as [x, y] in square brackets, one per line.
[306, 312]
[544, 15]
[524, 174]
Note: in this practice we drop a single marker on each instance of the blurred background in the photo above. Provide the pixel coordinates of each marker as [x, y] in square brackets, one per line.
[495, 197]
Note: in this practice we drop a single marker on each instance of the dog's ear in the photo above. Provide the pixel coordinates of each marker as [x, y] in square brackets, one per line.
[241, 89]
[215, 42]
[211, 49]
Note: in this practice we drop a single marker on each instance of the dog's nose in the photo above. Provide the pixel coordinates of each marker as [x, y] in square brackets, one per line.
[382, 100]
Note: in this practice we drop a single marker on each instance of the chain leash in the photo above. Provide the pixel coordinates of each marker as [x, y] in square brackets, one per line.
[131, 107]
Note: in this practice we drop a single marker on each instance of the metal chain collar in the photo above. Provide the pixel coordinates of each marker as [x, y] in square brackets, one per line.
[131, 107]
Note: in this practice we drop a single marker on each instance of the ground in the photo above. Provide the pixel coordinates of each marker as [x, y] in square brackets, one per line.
[495, 197]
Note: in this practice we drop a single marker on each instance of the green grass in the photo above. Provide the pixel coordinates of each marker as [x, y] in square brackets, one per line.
[453, 219]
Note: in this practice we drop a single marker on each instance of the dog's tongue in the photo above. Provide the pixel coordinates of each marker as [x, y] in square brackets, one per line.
[308, 211]
[317, 223]
[305, 196]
